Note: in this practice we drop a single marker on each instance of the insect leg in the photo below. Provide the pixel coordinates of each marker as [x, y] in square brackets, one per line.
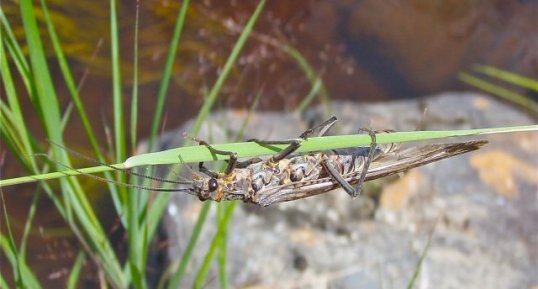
[354, 191]
[246, 163]
[294, 144]
[231, 163]
[338, 178]
[366, 166]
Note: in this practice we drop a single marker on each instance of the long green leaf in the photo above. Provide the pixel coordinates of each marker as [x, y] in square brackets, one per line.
[223, 224]
[17, 260]
[119, 198]
[507, 76]
[169, 64]
[137, 251]
[74, 275]
[15, 50]
[500, 91]
[223, 245]
[194, 154]
[28, 224]
[119, 127]
[134, 94]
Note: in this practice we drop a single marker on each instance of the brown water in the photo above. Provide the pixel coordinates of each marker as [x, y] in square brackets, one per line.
[364, 51]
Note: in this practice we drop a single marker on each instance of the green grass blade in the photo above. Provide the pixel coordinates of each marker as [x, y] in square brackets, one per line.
[14, 112]
[28, 224]
[194, 154]
[154, 213]
[10, 41]
[316, 87]
[16, 260]
[500, 91]
[55, 175]
[223, 224]
[507, 76]
[74, 275]
[317, 83]
[3, 283]
[8, 130]
[222, 248]
[165, 81]
[24, 278]
[418, 267]
[137, 251]
[43, 81]
[134, 94]
[119, 198]
[215, 90]
[119, 128]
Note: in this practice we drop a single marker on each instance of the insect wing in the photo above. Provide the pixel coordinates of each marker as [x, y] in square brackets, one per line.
[386, 166]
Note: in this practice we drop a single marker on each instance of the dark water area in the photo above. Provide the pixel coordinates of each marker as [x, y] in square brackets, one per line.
[362, 50]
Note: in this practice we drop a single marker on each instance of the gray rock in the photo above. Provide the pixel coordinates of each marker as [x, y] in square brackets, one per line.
[481, 208]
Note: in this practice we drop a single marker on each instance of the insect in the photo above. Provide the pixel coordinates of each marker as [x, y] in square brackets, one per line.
[287, 177]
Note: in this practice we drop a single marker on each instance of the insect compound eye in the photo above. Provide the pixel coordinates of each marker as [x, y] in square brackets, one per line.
[212, 185]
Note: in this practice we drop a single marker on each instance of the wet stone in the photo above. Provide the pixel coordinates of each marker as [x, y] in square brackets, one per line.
[483, 237]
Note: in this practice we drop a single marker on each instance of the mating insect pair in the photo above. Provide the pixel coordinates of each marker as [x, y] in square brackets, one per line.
[286, 177]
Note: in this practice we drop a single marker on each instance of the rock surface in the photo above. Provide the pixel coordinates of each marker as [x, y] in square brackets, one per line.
[480, 208]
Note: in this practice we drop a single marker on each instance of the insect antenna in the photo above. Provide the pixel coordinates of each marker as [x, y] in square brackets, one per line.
[127, 171]
[152, 189]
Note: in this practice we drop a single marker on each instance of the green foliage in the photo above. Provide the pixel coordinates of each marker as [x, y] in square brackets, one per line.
[139, 216]
[501, 90]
